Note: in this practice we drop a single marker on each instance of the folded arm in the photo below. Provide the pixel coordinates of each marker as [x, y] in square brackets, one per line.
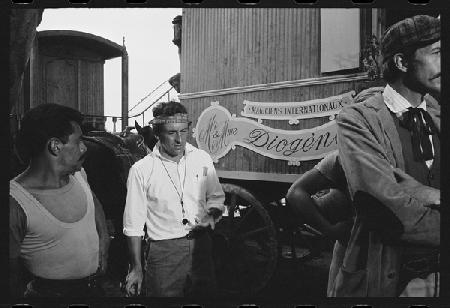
[306, 210]
[369, 171]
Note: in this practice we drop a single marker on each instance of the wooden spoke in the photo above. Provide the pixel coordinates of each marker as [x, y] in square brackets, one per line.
[244, 219]
[245, 245]
[232, 205]
[252, 233]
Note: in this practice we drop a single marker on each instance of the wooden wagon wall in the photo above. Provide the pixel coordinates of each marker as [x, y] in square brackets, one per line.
[223, 48]
[69, 75]
[227, 48]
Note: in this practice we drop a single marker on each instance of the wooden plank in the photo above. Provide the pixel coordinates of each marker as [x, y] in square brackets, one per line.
[235, 47]
[226, 48]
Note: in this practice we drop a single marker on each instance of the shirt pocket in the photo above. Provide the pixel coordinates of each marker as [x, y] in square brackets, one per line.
[198, 187]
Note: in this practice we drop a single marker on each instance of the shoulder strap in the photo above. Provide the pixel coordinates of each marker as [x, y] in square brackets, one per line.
[22, 196]
[86, 188]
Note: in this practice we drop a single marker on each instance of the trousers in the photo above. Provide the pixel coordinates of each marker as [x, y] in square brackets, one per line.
[181, 267]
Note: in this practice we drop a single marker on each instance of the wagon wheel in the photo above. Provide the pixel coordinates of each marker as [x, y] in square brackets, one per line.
[245, 246]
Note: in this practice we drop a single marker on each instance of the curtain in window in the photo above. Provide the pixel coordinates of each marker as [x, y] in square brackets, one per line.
[340, 39]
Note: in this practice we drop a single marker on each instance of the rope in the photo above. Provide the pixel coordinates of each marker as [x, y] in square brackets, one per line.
[157, 100]
[145, 97]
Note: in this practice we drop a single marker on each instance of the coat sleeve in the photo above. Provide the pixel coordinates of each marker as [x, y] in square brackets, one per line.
[387, 205]
[215, 196]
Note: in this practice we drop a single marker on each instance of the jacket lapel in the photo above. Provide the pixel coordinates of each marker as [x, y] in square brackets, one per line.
[390, 130]
[434, 109]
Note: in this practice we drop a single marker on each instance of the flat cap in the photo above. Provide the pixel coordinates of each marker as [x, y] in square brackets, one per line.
[414, 31]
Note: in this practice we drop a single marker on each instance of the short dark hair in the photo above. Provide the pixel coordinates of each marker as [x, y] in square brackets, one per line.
[167, 109]
[42, 123]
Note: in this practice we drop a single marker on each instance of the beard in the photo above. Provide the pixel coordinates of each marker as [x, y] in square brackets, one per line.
[422, 85]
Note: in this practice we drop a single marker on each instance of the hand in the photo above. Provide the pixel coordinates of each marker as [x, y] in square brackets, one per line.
[433, 197]
[212, 216]
[133, 282]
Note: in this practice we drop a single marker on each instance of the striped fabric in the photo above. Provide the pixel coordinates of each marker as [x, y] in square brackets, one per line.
[176, 118]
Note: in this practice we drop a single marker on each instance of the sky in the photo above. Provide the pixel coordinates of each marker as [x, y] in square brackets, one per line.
[152, 56]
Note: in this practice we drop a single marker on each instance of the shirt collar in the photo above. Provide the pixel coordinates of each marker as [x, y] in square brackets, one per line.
[396, 102]
[156, 150]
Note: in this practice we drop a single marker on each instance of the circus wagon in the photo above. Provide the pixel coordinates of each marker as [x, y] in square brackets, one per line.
[263, 87]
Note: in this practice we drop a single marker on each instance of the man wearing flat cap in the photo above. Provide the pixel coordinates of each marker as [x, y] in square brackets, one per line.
[389, 150]
[175, 192]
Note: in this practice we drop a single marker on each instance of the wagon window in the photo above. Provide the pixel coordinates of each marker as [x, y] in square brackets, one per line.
[339, 39]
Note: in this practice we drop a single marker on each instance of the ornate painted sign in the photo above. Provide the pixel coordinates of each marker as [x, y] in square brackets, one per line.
[218, 131]
[293, 111]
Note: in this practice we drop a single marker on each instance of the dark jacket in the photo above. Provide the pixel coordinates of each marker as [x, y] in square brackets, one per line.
[370, 148]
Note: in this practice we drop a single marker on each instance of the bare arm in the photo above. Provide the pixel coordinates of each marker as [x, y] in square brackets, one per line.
[17, 227]
[15, 277]
[135, 276]
[134, 217]
[102, 230]
[305, 208]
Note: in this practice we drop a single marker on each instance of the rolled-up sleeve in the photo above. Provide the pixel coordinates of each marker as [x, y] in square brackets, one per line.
[215, 197]
[135, 213]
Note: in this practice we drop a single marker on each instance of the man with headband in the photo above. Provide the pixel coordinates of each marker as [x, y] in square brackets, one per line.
[57, 226]
[389, 146]
[176, 194]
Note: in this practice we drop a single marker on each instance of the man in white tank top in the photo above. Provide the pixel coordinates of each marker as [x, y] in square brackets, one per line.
[57, 226]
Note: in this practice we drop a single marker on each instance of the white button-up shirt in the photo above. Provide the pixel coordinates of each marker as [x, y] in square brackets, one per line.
[398, 105]
[152, 197]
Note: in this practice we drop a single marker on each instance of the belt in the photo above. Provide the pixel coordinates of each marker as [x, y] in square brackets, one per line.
[90, 282]
[193, 234]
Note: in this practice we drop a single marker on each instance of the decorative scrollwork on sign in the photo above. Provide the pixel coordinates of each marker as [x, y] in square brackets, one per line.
[295, 111]
[217, 132]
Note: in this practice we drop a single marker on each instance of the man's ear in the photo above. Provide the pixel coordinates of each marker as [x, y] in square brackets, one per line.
[54, 146]
[400, 62]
